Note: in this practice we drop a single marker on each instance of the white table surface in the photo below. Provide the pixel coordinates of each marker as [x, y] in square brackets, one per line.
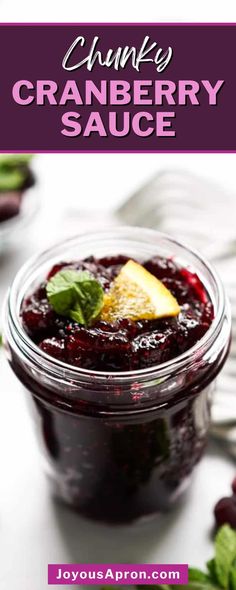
[34, 531]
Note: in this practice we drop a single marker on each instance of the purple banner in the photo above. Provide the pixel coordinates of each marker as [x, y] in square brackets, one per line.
[117, 87]
[117, 574]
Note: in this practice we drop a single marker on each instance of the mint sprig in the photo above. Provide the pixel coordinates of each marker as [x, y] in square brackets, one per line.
[225, 555]
[13, 171]
[13, 160]
[221, 574]
[75, 294]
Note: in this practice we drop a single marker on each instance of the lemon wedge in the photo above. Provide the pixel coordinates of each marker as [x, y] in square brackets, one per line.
[136, 294]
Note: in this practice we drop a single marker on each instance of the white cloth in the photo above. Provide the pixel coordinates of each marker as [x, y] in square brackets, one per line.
[202, 215]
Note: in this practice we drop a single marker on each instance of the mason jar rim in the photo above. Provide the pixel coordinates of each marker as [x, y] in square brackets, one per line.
[27, 348]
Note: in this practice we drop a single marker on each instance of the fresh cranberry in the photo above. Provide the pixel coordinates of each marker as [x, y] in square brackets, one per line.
[225, 511]
[234, 486]
[9, 205]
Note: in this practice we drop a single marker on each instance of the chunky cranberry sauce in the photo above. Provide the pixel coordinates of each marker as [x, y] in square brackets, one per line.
[120, 448]
[125, 345]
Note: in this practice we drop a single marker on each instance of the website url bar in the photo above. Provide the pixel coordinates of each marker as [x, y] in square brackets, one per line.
[117, 574]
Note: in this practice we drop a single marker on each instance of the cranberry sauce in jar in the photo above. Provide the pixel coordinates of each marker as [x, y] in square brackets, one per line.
[124, 345]
[124, 406]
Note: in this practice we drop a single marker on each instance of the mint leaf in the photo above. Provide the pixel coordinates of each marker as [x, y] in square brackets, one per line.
[61, 290]
[75, 294]
[11, 180]
[13, 171]
[196, 575]
[154, 587]
[211, 566]
[222, 568]
[225, 554]
[198, 586]
[192, 585]
[14, 160]
[232, 577]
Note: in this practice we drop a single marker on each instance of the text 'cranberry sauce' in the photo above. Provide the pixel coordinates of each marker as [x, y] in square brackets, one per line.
[124, 345]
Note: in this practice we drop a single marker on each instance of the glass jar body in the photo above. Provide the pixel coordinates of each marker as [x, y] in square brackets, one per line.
[119, 446]
[120, 468]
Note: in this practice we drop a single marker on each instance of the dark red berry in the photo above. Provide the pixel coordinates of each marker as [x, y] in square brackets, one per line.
[225, 511]
[111, 261]
[153, 348]
[9, 205]
[37, 315]
[96, 339]
[193, 280]
[234, 485]
[161, 267]
[56, 268]
[54, 347]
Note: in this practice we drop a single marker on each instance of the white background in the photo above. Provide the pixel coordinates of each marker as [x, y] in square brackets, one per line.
[33, 531]
[106, 11]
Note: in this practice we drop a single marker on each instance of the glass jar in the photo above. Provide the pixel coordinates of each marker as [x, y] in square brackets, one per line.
[119, 446]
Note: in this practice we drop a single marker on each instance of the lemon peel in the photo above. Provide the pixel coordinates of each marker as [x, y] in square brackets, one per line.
[136, 294]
